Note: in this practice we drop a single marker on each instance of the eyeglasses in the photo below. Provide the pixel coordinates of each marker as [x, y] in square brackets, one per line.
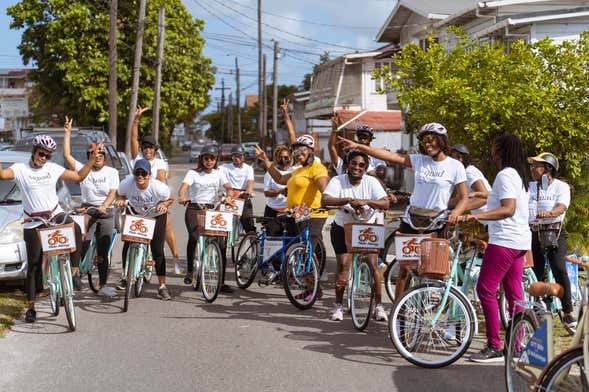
[140, 173]
[237, 155]
[209, 158]
[361, 165]
[44, 154]
[427, 139]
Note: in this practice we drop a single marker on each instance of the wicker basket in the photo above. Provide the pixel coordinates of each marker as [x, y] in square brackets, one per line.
[200, 223]
[529, 260]
[435, 258]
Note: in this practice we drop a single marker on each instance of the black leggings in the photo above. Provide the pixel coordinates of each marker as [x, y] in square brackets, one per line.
[34, 279]
[557, 265]
[101, 227]
[156, 245]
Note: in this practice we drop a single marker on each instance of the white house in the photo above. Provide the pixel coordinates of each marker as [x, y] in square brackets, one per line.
[14, 99]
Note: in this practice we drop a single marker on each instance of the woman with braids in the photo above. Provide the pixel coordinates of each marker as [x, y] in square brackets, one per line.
[509, 239]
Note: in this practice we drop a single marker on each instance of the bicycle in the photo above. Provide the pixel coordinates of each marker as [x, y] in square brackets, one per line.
[530, 363]
[57, 242]
[233, 238]
[298, 263]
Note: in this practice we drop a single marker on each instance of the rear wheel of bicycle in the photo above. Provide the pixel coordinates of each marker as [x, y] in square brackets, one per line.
[246, 261]
[390, 279]
[362, 293]
[517, 336]
[130, 276]
[211, 271]
[53, 289]
[504, 305]
[321, 255]
[566, 373]
[67, 292]
[139, 282]
[93, 275]
[425, 342]
[300, 277]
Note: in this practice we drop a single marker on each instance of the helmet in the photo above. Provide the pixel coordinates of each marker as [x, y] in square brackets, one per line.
[364, 129]
[238, 149]
[461, 148]
[209, 150]
[305, 140]
[545, 157]
[148, 140]
[432, 128]
[353, 153]
[45, 141]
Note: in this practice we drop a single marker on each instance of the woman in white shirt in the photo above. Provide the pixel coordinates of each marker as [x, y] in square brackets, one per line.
[549, 200]
[478, 186]
[37, 181]
[357, 190]
[509, 239]
[276, 193]
[199, 191]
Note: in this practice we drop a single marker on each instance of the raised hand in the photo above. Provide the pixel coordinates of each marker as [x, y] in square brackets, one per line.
[347, 144]
[260, 154]
[284, 105]
[139, 111]
[67, 126]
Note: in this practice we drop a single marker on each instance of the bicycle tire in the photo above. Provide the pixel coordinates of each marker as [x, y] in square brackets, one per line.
[246, 263]
[54, 284]
[298, 274]
[93, 275]
[196, 274]
[571, 362]
[67, 292]
[362, 294]
[504, 306]
[450, 330]
[349, 291]
[321, 255]
[130, 276]
[523, 324]
[149, 270]
[139, 282]
[211, 272]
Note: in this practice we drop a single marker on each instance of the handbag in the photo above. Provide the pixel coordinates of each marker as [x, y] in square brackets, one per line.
[422, 217]
[548, 234]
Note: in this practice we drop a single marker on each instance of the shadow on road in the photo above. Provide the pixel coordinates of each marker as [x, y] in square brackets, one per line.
[452, 378]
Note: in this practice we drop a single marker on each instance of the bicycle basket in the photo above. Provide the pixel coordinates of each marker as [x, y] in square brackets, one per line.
[138, 229]
[219, 223]
[57, 240]
[435, 257]
[362, 238]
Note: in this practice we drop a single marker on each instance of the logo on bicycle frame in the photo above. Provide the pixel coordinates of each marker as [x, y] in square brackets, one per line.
[218, 220]
[367, 236]
[56, 239]
[138, 226]
[411, 247]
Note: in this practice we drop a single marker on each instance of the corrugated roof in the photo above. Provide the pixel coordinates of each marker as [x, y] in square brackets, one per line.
[389, 120]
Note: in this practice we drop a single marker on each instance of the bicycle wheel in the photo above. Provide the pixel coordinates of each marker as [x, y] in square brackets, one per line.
[139, 281]
[300, 277]
[504, 306]
[53, 283]
[149, 269]
[522, 327]
[93, 275]
[566, 373]
[428, 331]
[390, 279]
[65, 275]
[362, 294]
[246, 262]
[211, 272]
[196, 274]
[130, 275]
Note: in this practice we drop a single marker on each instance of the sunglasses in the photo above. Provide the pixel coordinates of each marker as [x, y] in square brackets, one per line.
[43, 154]
[427, 139]
[361, 165]
[237, 155]
[363, 137]
[140, 173]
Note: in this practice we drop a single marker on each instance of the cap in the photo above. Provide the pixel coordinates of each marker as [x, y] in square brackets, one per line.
[461, 148]
[142, 164]
[148, 139]
[545, 157]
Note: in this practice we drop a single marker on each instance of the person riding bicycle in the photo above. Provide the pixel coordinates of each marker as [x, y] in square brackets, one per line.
[436, 175]
[149, 148]
[142, 193]
[276, 193]
[478, 186]
[509, 240]
[99, 190]
[241, 178]
[203, 185]
[37, 180]
[359, 192]
[549, 200]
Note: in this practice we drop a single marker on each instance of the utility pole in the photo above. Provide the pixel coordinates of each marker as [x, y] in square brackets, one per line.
[136, 68]
[264, 104]
[260, 76]
[230, 118]
[223, 88]
[238, 103]
[158, 72]
[275, 95]
[112, 73]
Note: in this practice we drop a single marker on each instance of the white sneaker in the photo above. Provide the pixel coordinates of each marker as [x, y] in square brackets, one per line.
[380, 314]
[108, 292]
[177, 267]
[338, 313]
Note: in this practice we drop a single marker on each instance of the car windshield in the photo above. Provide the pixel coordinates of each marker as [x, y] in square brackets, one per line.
[9, 192]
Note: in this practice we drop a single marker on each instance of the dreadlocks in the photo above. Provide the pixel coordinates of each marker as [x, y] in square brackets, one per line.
[509, 149]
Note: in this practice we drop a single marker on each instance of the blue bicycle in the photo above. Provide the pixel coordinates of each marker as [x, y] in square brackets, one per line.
[289, 257]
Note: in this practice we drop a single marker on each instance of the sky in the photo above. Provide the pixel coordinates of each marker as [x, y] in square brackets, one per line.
[304, 29]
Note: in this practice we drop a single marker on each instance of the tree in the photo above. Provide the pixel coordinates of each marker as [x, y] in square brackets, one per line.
[68, 43]
[538, 92]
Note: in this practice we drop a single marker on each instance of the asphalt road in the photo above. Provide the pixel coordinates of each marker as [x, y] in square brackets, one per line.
[252, 340]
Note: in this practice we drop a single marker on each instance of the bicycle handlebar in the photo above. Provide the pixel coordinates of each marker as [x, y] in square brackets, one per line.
[50, 221]
[437, 222]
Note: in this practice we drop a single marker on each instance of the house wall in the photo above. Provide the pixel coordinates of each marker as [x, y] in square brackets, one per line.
[371, 99]
[559, 32]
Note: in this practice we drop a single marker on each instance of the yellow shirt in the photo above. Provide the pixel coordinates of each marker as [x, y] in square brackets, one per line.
[302, 187]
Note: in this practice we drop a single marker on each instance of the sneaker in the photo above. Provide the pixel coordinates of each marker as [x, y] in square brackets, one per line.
[188, 278]
[164, 294]
[380, 314]
[77, 282]
[568, 321]
[487, 355]
[177, 267]
[338, 313]
[31, 316]
[226, 289]
[122, 285]
[107, 292]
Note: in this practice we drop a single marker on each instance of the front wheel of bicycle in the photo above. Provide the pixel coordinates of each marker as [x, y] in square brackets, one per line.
[362, 293]
[140, 281]
[517, 336]
[67, 292]
[566, 373]
[430, 330]
[53, 288]
[93, 275]
[211, 271]
[130, 276]
[246, 261]
[300, 276]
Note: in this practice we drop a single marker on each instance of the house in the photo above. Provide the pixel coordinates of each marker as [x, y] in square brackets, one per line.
[15, 90]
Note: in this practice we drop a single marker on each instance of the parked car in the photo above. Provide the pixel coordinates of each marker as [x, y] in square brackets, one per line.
[6, 146]
[225, 151]
[13, 251]
[195, 150]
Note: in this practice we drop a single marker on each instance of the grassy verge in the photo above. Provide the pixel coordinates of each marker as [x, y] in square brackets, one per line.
[12, 304]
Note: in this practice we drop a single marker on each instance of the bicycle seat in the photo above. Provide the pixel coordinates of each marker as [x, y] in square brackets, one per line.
[542, 289]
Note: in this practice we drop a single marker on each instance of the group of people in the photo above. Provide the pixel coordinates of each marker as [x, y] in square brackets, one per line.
[516, 213]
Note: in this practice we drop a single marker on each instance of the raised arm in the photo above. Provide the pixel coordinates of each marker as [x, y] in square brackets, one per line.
[281, 179]
[6, 174]
[135, 132]
[68, 159]
[77, 176]
[393, 157]
[331, 144]
[287, 121]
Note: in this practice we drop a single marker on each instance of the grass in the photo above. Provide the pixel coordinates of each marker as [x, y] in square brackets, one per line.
[12, 304]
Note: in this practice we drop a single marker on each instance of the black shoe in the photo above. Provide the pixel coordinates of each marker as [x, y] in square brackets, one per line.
[164, 294]
[188, 278]
[31, 316]
[226, 289]
[487, 355]
[568, 321]
[77, 282]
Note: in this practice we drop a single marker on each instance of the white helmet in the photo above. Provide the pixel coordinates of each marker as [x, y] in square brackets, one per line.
[432, 128]
[45, 141]
[305, 140]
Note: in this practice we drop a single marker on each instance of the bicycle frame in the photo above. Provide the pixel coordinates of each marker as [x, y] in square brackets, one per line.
[140, 254]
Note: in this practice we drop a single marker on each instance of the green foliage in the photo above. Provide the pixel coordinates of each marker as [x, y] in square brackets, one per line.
[67, 41]
[479, 91]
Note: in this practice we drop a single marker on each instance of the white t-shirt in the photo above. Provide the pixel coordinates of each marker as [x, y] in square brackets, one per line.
[144, 199]
[558, 192]
[238, 176]
[38, 188]
[276, 202]
[512, 232]
[372, 165]
[473, 174]
[156, 164]
[98, 184]
[340, 187]
[204, 187]
[435, 181]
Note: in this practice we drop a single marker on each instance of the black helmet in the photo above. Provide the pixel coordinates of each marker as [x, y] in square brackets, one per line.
[209, 149]
[364, 129]
[353, 153]
[546, 158]
[461, 148]
[238, 149]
